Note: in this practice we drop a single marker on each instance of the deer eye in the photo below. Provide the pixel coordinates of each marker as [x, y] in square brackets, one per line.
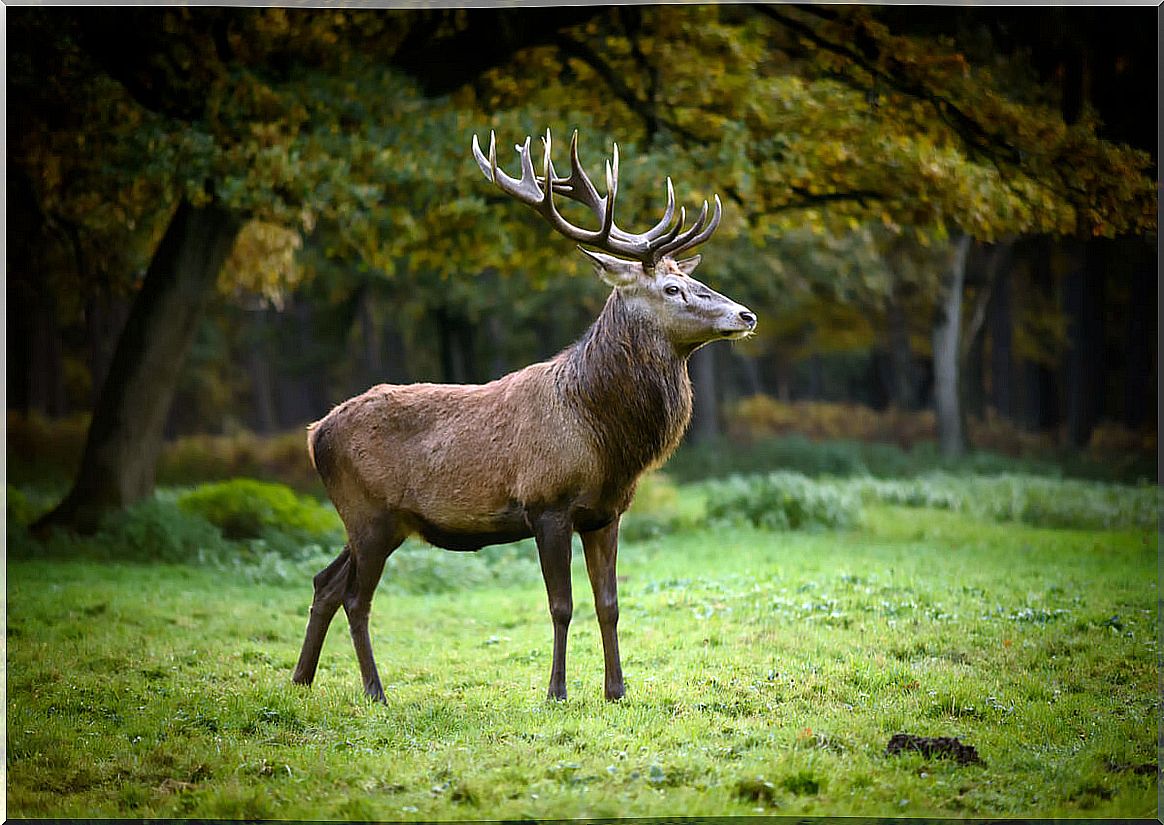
[671, 289]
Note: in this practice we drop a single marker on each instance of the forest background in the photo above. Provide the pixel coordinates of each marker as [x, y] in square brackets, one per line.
[223, 221]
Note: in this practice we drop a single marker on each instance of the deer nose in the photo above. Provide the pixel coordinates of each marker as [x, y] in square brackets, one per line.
[748, 318]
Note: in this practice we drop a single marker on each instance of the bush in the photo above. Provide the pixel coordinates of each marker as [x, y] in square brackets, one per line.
[659, 510]
[782, 501]
[245, 509]
[1066, 503]
[155, 530]
[1034, 500]
[279, 458]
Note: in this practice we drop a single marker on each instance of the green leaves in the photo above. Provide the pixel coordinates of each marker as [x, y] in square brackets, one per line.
[803, 121]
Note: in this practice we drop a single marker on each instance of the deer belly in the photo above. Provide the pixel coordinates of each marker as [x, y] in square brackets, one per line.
[464, 538]
[460, 531]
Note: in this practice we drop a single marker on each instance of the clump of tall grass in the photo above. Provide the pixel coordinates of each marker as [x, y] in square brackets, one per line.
[782, 501]
[1034, 500]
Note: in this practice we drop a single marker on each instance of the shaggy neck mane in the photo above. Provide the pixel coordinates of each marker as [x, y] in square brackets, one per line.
[626, 380]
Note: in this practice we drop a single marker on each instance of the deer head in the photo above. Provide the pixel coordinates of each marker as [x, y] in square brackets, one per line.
[644, 268]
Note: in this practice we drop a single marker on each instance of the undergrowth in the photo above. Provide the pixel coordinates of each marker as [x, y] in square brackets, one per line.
[267, 532]
[792, 501]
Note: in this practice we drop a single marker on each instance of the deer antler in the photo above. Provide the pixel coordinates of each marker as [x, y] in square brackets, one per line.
[666, 238]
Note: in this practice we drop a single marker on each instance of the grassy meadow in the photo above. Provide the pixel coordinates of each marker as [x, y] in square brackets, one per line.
[766, 667]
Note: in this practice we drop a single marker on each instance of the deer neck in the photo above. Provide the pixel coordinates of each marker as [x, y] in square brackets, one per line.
[627, 381]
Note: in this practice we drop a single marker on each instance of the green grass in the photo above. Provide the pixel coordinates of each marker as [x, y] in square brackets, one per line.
[765, 672]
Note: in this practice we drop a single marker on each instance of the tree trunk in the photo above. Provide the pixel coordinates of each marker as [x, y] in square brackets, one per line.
[972, 377]
[1083, 306]
[904, 394]
[498, 333]
[396, 369]
[372, 343]
[816, 383]
[705, 420]
[947, 337]
[46, 386]
[105, 316]
[1000, 328]
[258, 364]
[783, 364]
[24, 273]
[466, 345]
[971, 367]
[751, 373]
[125, 436]
[1139, 396]
[446, 339]
[1036, 391]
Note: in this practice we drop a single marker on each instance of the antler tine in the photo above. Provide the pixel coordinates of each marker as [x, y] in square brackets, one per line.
[487, 164]
[655, 247]
[525, 190]
[664, 238]
[550, 211]
[611, 191]
[579, 187]
[668, 214]
[694, 237]
[694, 229]
[527, 168]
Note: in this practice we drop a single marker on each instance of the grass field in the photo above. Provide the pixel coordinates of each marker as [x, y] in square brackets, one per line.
[765, 671]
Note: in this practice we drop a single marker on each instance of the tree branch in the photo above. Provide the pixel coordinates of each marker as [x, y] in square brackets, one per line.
[973, 133]
[809, 199]
[644, 109]
[999, 255]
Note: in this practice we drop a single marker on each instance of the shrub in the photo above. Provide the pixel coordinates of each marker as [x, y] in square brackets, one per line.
[914, 492]
[659, 509]
[1034, 500]
[154, 530]
[1066, 503]
[157, 530]
[244, 508]
[782, 501]
[202, 458]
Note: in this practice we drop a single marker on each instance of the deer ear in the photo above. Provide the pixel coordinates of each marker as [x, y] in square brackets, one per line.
[687, 265]
[614, 271]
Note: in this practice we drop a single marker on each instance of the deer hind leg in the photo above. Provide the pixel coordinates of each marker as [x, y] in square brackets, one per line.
[601, 548]
[330, 585]
[368, 557]
[553, 534]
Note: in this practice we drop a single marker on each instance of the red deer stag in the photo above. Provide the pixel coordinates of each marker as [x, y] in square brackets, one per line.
[551, 449]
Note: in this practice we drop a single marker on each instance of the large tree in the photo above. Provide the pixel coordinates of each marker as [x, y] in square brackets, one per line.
[233, 116]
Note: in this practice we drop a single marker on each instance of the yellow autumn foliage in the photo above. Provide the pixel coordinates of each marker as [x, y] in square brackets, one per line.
[262, 263]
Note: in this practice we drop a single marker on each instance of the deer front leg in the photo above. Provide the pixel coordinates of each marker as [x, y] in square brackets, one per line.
[601, 548]
[553, 532]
